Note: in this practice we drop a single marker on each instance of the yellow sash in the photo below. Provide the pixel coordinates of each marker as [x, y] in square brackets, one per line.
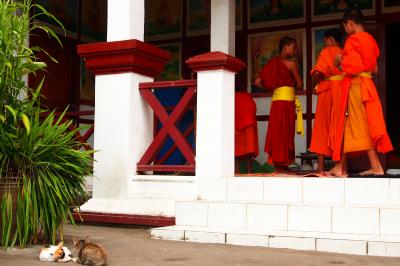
[287, 93]
[335, 77]
[365, 75]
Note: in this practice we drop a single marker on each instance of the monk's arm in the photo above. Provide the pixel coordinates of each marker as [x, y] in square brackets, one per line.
[258, 83]
[352, 62]
[295, 71]
[317, 77]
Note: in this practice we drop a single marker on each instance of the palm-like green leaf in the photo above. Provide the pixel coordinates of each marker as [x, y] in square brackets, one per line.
[42, 169]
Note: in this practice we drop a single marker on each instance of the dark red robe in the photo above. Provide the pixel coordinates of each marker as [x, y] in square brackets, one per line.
[246, 136]
[279, 143]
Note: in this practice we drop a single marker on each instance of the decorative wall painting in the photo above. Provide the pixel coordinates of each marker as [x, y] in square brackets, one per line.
[332, 9]
[390, 6]
[262, 47]
[198, 16]
[163, 19]
[263, 13]
[172, 70]
[65, 11]
[94, 21]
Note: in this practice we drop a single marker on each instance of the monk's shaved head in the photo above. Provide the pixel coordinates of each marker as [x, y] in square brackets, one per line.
[355, 15]
[333, 33]
[286, 40]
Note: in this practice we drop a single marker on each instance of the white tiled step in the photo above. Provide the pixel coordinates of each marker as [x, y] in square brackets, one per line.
[370, 220]
[318, 191]
[330, 242]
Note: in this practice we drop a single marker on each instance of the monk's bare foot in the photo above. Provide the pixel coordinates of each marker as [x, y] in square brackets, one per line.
[372, 171]
[337, 171]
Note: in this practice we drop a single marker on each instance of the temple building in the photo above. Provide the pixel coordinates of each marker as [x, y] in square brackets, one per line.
[155, 81]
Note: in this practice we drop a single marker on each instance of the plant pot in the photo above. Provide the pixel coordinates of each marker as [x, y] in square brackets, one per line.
[9, 184]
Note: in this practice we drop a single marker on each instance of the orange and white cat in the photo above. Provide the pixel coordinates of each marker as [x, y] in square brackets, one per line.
[57, 253]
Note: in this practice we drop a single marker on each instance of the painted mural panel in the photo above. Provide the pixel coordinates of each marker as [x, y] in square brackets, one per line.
[94, 21]
[163, 19]
[328, 9]
[262, 47]
[65, 11]
[172, 70]
[198, 16]
[264, 13]
[390, 6]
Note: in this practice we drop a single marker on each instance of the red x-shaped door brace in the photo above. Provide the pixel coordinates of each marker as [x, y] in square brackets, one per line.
[169, 127]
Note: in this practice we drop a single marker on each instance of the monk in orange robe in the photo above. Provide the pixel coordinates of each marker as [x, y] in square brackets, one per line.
[246, 136]
[360, 121]
[281, 75]
[328, 77]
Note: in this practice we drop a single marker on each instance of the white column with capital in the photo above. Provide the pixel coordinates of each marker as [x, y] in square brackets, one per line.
[215, 142]
[223, 26]
[123, 120]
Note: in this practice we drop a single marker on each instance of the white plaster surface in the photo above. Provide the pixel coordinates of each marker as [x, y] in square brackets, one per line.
[309, 218]
[355, 220]
[244, 189]
[283, 190]
[229, 215]
[342, 246]
[215, 124]
[123, 131]
[267, 217]
[223, 26]
[367, 191]
[323, 191]
[191, 213]
[247, 240]
[390, 221]
[292, 242]
[125, 20]
[205, 237]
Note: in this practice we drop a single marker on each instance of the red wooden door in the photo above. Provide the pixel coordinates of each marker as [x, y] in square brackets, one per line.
[61, 80]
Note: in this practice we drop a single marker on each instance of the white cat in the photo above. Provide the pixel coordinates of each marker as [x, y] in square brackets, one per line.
[57, 253]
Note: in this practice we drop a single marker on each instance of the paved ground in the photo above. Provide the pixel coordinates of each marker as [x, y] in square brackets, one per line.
[130, 246]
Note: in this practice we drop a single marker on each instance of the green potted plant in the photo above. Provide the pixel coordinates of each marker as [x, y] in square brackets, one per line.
[42, 168]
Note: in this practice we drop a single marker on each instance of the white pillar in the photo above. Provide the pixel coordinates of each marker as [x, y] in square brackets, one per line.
[223, 26]
[215, 124]
[123, 131]
[125, 20]
[123, 120]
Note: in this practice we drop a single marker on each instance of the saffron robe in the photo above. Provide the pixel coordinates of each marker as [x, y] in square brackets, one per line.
[360, 55]
[246, 135]
[279, 143]
[328, 92]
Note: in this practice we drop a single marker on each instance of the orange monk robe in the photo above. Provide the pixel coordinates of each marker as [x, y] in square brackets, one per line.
[279, 143]
[246, 136]
[327, 91]
[359, 96]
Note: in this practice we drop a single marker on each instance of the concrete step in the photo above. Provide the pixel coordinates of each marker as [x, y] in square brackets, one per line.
[131, 206]
[358, 244]
[371, 220]
[163, 186]
[328, 191]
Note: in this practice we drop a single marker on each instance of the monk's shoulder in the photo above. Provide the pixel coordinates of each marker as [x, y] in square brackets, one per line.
[291, 64]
